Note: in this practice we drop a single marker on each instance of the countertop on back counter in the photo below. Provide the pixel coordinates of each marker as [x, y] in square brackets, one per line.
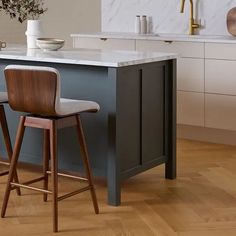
[93, 57]
[160, 37]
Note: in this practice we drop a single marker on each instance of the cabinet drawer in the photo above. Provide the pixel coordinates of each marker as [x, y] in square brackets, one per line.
[220, 51]
[97, 43]
[220, 111]
[184, 49]
[220, 77]
[190, 74]
[190, 108]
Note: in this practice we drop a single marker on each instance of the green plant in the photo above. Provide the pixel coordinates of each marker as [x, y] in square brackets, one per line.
[23, 9]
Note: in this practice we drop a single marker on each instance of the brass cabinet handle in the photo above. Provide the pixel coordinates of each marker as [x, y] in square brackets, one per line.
[168, 41]
[103, 39]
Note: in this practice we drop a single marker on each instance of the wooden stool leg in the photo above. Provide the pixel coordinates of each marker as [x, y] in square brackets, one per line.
[85, 157]
[46, 157]
[7, 140]
[16, 151]
[54, 170]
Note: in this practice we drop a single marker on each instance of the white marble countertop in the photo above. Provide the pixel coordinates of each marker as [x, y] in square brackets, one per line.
[93, 57]
[161, 37]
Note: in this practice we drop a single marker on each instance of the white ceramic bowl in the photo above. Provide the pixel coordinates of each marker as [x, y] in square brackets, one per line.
[50, 44]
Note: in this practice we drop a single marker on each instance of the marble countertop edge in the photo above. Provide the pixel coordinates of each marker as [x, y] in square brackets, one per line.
[88, 57]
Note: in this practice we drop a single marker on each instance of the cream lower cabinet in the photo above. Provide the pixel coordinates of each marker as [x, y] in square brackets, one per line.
[190, 108]
[190, 77]
[184, 49]
[190, 74]
[220, 77]
[104, 43]
[222, 51]
[220, 111]
[220, 86]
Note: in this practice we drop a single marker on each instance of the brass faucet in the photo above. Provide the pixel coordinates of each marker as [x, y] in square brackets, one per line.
[192, 24]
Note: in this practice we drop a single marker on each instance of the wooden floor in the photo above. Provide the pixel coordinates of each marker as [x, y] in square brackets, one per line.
[201, 202]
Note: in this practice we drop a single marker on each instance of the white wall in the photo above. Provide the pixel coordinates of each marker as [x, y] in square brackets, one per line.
[118, 15]
[62, 18]
[71, 16]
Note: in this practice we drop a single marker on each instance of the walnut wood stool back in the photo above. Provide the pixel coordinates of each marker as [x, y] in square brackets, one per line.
[36, 90]
[6, 136]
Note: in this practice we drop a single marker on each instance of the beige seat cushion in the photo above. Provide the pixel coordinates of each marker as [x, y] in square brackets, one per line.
[69, 107]
[3, 97]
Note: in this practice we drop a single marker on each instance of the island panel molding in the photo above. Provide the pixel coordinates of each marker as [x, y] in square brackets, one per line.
[119, 15]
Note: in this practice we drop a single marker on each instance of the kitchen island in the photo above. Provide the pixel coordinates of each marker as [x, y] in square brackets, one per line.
[135, 129]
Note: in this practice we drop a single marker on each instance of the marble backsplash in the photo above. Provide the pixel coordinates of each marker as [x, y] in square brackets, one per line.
[119, 15]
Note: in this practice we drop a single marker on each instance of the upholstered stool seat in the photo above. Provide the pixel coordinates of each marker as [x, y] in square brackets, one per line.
[36, 90]
[69, 107]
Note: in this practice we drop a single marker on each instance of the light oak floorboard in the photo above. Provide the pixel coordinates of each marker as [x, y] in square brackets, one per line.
[201, 202]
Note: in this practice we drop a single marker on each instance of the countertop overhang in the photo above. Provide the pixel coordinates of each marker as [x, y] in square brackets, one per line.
[91, 57]
[161, 37]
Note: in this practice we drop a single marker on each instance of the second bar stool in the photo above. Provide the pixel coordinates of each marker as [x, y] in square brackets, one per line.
[36, 90]
[6, 136]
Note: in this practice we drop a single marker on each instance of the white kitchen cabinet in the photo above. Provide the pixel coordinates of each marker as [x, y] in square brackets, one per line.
[220, 111]
[190, 75]
[220, 86]
[104, 43]
[220, 77]
[190, 108]
[225, 51]
[184, 49]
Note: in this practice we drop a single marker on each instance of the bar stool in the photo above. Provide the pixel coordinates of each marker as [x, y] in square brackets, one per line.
[36, 90]
[6, 136]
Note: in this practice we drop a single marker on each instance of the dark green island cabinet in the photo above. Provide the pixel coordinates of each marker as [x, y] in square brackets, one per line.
[135, 130]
